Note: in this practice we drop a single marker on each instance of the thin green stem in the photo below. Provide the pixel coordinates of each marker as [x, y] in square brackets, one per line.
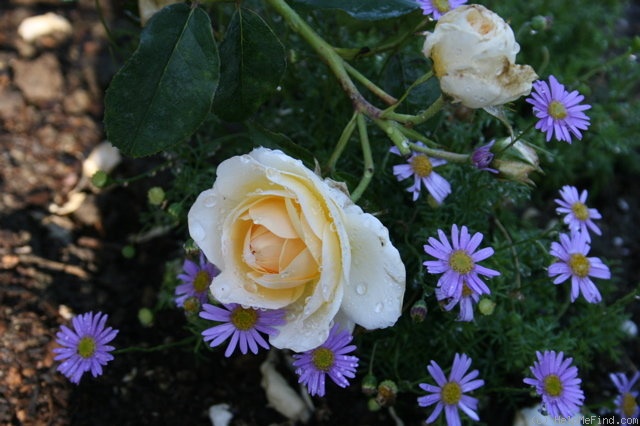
[418, 82]
[342, 143]
[183, 342]
[328, 55]
[387, 98]
[413, 120]
[439, 153]
[367, 175]
[414, 135]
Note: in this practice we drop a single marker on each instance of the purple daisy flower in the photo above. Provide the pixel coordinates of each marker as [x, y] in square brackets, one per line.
[481, 157]
[196, 279]
[578, 216]
[449, 394]
[556, 380]
[420, 166]
[458, 262]
[559, 111]
[243, 325]
[329, 358]
[84, 348]
[437, 8]
[573, 263]
[626, 401]
[466, 299]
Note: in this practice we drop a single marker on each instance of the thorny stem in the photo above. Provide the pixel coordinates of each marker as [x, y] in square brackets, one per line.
[412, 120]
[368, 160]
[387, 98]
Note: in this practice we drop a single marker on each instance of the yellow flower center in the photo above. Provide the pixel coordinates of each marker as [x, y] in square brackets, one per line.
[442, 5]
[323, 358]
[86, 347]
[629, 405]
[421, 165]
[553, 385]
[557, 110]
[580, 211]
[244, 318]
[461, 262]
[451, 393]
[202, 281]
[579, 265]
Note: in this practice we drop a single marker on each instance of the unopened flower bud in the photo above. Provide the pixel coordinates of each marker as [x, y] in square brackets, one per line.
[418, 311]
[387, 392]
[191, 305]
[128, 252]
[373, 405]
[540, 23]
[369, 384]
[175, 210]
[482, 157]
[515, 161]
[473, 52]
[486, 306]
[145, 316]
[155, 196]
[100, 179]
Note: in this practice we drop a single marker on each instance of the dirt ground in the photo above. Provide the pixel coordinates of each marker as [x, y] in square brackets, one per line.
[52, 265]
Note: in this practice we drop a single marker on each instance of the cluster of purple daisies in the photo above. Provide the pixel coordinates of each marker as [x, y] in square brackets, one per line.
[572, 249]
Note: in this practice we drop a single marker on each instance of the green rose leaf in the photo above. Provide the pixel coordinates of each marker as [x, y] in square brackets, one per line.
[253, 61]
[165, 90]
[369, 10]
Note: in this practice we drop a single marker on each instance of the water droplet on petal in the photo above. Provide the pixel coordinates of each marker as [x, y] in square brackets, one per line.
[210, 201]
[361, 289]
[197, 231]
[379, 307]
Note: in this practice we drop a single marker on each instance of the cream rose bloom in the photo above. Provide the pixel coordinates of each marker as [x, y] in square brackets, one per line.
[284, 238]
[473, 52]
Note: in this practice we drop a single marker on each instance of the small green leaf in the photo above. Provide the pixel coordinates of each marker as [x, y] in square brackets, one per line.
[368, 10]
[165, 90]
[253, 61]
[264, 137]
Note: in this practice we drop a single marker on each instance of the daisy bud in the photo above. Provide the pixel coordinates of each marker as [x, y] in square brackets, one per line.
[486, 306]
[387, 392]
[473, 52]
[418, 311]
[515, 161]
[369, 384]
[540, 23]
[155, 196]
[373, 405]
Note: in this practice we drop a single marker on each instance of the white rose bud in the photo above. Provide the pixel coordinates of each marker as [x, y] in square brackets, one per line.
[286, 239]
[473, 52]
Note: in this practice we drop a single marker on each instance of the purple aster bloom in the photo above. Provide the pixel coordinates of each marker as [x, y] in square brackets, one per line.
[578, 216]
[329, 358]
[573, 263]
[196, 279]
[556, 380]
[458, 262]
[420, 166]
[437, 8]
[243, 325]
[84, 348]
[626, 401]
[482, 157]
[465, 299]
[559, 111]
[449, 394]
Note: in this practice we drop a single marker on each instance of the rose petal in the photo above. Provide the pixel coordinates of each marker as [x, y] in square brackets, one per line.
[373, 296]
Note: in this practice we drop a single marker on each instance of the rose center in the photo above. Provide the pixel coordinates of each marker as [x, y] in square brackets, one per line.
[421, 165]
[86, 347]
[553, 385]
[579, 265]
[580, 211]
[451, 393]
[442, 5]
[557, 110]
[629, 405]
[201, 281]
[461, 262]
[323, 359]
[244, 318]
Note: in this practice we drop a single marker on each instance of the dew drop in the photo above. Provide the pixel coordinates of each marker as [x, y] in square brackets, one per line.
[273, 174]
[197, 231]
[361, 289]
[210, 201]
[378, 308]
[333, 227]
